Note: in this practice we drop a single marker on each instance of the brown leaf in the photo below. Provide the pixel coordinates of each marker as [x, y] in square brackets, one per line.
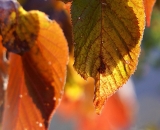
[36, 80]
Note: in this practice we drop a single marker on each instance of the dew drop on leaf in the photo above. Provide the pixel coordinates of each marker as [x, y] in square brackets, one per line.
[49, 62]
[54, 98]
[20, 96]
[40, 124]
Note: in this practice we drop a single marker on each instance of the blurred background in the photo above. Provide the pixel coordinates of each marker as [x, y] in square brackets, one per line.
[135, 107]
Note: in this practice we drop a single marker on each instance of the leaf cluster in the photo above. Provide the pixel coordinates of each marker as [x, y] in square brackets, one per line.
[107, 36]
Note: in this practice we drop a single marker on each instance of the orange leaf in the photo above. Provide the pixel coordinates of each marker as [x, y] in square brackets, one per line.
[1, 86]
[148, 4]
[62, 16]
[3, 72]
[36, 80]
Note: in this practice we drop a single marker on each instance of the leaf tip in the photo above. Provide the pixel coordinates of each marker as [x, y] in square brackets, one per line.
[99, 104]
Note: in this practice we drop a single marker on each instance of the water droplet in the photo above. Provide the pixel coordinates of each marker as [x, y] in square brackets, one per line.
[40, 124]
[127, 62]
[20, 96]
[5, 82]
[47, 88]
[79, 18]
[49, 62]
[54, 99]
[25, 129]
[104, 4]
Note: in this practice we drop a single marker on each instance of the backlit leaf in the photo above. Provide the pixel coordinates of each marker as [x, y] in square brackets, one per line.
[63, 18]
[107, 37]
[148, 4]
[36, 79]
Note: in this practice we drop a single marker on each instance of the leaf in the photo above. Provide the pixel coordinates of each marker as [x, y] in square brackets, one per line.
[18, 28]
[36, 79]
[148, 5]
[62, 16]
[3, 75]
[2, 93]
[68, 7]
[107, 37]
[22, 26]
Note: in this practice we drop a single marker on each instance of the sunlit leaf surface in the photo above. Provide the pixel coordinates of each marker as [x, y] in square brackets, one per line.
[107, 37]
[36, 79]
[63, 18]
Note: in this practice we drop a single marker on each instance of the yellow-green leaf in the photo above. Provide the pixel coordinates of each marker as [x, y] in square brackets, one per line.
[107, 37]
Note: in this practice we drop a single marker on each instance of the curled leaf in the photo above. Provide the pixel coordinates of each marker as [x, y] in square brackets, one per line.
[36, 79]
[107, 37]
[18, 28]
